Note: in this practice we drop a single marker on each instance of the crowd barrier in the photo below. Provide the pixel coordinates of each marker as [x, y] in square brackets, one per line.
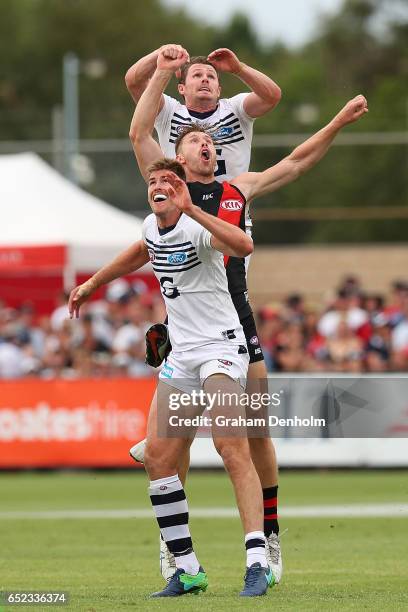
[93, 423]
[78, 423]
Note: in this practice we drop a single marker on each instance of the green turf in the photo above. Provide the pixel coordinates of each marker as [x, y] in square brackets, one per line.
[330, 564]
[38, 491]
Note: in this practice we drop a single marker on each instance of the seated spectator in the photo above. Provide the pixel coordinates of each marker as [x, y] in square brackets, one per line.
[11, 355]
[289, 351]
[269, 324]
[394, 310]
[90, 336]
[316, 358]
[294, 309]
[378, 348]
[60, 314]
[399, 336]
[345, 349]
[346, 307]
[373, 305]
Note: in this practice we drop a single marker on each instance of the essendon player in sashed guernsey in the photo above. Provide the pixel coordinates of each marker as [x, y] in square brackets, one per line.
[225, 201]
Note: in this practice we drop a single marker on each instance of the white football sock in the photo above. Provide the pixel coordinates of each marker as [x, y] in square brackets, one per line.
[171, 509]
[255, 548]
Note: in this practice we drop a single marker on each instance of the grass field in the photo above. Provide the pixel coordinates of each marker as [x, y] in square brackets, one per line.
[112, 564]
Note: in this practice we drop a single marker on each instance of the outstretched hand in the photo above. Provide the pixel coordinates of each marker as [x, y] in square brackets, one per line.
[180, 194]
[353, 110]
[78, 296]
[172, 57]
[224, 60]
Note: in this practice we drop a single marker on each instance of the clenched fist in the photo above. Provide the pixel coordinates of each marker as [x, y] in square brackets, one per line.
[172, 57]
[353, 110]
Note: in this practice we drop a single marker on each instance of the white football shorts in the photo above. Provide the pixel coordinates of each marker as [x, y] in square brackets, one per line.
[188, 370]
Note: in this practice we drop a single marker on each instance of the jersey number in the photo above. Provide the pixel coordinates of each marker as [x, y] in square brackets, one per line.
[169, 291]
[221, 167]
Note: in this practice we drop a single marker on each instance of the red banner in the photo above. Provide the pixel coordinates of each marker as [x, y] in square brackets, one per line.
[23, 258]
[81, 423]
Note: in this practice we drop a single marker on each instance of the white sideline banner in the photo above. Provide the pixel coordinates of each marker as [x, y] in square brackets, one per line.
[309, 452]
[362, 405]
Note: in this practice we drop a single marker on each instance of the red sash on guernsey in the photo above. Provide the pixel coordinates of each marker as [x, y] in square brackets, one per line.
[231, 208]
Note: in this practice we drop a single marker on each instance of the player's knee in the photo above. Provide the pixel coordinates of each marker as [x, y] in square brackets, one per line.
[156, 461]
[234, 453]
[260, 445]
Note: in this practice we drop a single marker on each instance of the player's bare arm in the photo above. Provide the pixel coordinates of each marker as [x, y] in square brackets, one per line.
[146, 149]
[226, 238]
[138, 75]
[303, 158]
[126, 262]
[265, 94]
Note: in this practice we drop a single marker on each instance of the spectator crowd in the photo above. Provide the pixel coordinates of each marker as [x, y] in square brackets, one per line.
[353, 332]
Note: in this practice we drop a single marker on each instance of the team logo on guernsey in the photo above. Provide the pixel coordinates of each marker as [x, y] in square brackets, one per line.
[232, 205]
[172, 258]
[151, 255]
[222, 132]
[254, 340]
[177, 258]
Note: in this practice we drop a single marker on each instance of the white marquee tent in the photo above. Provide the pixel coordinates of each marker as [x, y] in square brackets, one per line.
[40, 208]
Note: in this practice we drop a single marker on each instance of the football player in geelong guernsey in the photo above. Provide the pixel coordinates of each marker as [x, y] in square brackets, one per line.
[230, 120]
[186, 247]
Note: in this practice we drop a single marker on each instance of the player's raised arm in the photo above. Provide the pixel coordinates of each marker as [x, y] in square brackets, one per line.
[227, 238]
[146, 149]
[138, 75]
[303, 158]
[265, 94]
[126, 262]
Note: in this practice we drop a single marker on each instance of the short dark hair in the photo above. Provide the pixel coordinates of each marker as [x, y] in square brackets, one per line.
[198, 59]
[168, 164]
[189, 129]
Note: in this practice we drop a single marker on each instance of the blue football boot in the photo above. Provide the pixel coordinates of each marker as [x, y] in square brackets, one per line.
[257, 579]
[182, 583]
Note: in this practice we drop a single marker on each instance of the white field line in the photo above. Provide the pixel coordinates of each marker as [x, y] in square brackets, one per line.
[346, 511]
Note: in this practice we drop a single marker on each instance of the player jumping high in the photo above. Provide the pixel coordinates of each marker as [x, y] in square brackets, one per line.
[229, 119]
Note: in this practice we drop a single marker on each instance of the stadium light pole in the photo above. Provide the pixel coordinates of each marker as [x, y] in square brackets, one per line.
[77, 168]
[70, 113]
